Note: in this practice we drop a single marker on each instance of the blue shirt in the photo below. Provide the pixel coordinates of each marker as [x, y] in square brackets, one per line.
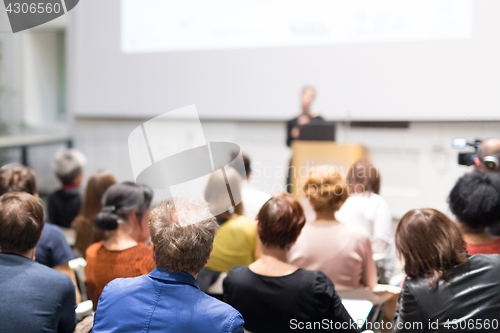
[52, 249]
[34, 298]
[162, 301]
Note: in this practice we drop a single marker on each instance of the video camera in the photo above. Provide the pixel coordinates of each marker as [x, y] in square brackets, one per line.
[466, 158]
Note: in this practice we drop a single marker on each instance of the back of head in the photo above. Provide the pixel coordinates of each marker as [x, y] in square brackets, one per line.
[363, 177]
[488, 154]
[119, 201]
[246, 169]
[17, 178]
[325, 188]
[475, 200]
[68, 164]
[97, 185]
[182, 230]
[21, 222]
[217, 189]
[430, 244]
[280, 221]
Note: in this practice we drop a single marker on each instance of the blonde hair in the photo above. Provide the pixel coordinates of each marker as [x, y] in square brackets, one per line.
[182, 231]
[325, 188]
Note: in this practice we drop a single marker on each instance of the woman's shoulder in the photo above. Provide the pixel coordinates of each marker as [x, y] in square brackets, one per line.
[92, 250]
[241, 222]
[238, 275]
[354, 232]
[363, 201]
[481, 266]
[316, 281]
[238, 271]
[480, 260]
[140, 250]
[321, 285]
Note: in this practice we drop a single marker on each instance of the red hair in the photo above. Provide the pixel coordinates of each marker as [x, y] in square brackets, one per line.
[280, 221]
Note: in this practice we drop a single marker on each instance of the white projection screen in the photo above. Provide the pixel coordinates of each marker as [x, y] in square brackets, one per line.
[368, 60]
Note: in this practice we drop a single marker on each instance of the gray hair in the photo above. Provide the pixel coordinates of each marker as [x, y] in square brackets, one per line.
[182, 231]
[68, 164]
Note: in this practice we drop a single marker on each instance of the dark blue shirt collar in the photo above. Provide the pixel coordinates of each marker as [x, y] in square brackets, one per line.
[173, 277]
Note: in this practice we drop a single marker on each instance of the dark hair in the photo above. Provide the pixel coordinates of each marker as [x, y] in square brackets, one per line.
[475, 200]
[280, 221]
[246, 165]
[21, 222]
[17, 178]
[430, 244]
[121, 199]
[363, 175]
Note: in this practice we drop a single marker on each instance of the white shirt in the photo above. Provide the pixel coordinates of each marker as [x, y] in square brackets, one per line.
[371, 212]
[253, 200]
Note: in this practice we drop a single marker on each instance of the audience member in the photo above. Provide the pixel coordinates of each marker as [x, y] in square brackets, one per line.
[33, 297]
[52, 249]
[443, 284]
[236, 241]
[475, 201]
[341, 251]
[366, 209]
[125, 253]
[488, 156]
[86, 231]
[168, 299]
[252, 198]
[271, 293]
[64, 204]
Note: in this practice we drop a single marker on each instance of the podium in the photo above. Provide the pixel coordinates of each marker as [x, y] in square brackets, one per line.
[308, 154]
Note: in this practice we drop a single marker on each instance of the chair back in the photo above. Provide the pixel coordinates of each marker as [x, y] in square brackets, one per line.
[78, 265]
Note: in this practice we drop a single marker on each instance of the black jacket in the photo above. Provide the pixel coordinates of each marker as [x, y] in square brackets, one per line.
[292, 123]
[468, 300]
[64, 205]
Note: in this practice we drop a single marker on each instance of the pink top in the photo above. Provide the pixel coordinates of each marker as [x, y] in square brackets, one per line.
[342, 252]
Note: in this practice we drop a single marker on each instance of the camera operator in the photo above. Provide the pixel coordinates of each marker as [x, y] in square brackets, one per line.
[488, 156]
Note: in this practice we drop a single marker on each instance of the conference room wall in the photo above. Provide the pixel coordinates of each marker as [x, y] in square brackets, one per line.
[417, 165]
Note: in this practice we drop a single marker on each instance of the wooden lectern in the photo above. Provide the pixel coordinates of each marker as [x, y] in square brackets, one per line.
[307, 154]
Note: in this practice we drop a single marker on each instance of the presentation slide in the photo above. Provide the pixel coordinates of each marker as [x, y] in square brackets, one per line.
[248, 60]
[228, 24]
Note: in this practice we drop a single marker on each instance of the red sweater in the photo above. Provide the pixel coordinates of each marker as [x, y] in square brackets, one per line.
[104, 265]
[489, 248]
